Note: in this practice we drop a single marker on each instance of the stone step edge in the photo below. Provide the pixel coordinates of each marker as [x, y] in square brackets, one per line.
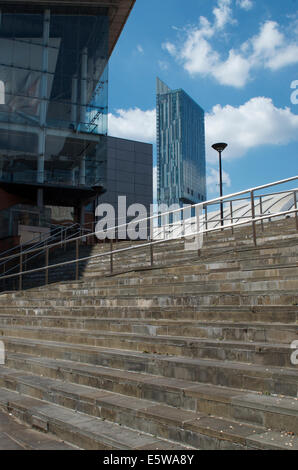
[204, 342]
[258, 370]
[274, 405]
[155, 322]
[145, 409]
[154, 295]
[71, 292]
[79, 427]
[140, 269]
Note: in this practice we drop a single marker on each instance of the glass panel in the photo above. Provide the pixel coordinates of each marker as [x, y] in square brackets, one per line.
[53, 104]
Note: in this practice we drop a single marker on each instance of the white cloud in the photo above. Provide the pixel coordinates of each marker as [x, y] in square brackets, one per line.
[133, 124]
[235, 71]
[270, 48]
[267, 41]
[213, 180]
[257, 122]
[249, 126]
[245, 4]
[169, 47]
[223, 13]
[282, 58]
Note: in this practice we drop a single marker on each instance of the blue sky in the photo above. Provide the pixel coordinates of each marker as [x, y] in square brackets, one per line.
[237, 59]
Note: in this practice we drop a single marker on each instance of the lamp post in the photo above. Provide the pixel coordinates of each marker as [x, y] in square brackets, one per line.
[220, 148]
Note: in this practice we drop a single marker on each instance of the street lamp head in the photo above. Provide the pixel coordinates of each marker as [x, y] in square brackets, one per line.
[219, 147]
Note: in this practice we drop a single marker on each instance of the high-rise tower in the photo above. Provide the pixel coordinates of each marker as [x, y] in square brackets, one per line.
[181, 162]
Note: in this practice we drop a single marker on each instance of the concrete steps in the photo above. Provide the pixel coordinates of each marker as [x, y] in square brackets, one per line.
[275, 314]
[276, 413]
[162, 285]
[220, 330]
[192, 352]
[258, 377]
[223, 350]
[85, 431]
[201, 430]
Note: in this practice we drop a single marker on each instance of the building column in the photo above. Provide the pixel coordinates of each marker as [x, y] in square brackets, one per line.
[41, 152]
[43, 97]
[84, 73]
[74, 100]
[83, 170]
[45, 67]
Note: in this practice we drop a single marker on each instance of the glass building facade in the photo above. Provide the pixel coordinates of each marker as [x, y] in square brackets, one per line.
[181, 162]
[53, 94]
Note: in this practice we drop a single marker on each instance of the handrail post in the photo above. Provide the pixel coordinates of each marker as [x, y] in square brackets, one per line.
[21, 270]
[206, 219]
[4, 280]
[295, 204]
[77, 258]
[151, 238]
[47, 266]
[253, 217]
[261, 213]
[111, 256]
[232, 220]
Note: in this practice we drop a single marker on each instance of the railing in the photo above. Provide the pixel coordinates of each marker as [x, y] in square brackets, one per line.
[62, 233]
[220, 224]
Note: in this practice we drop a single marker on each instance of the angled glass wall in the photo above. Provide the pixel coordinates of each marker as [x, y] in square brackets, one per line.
[53, 94]
[181, 162]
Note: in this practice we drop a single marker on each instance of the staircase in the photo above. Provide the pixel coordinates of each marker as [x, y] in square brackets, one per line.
[192, 353]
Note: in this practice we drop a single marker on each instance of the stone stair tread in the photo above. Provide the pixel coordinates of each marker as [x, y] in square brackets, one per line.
[175, 340]
[157, 274]
[158, 322]
[273, 404]
[155, 339]
[177, 352]
[177, 280]
[106, 433]
[188, 420]
[188, 386]
[147, 294]
[272, 440]
[147, 355]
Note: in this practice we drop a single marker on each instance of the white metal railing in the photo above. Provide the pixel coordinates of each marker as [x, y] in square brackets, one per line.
[251, 218]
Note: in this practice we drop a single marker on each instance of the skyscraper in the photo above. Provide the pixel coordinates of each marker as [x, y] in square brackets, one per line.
[181, 162]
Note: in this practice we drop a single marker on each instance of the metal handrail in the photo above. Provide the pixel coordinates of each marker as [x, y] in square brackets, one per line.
[259, 195]
[156, 216]
[57, 228]
[252, 219]
[172, 226]
[147, 244]
[36, 248]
